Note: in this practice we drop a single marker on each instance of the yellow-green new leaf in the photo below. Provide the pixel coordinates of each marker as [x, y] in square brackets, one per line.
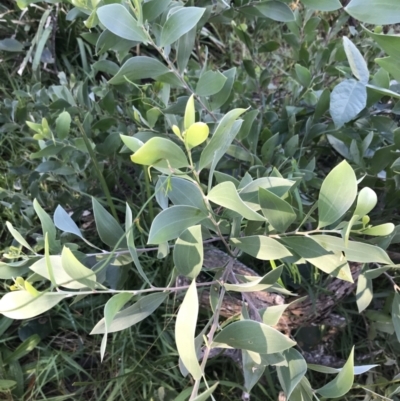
[342, 383]
[185, 328]
[190, 111]
[196, 134]
[226, 195]
[157, 149]
[24, 305]
[366, 201]
[379, 231]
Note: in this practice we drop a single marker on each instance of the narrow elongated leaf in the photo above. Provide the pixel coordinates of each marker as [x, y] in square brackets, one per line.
[116, 18]
[220, 140]
[290, 376]
[226, 195]
[139, 67]
[356, 60]
[347, 100]
[185, 48]
[333, 263]
[64, 222]
[210, 83]
[63, 125]
[272, 314]
[18, 237]
[132, 315]
[189, 253]
[277, 211]
[276, 185]
[157, 149]
[206, 394]
[259, 284]
[378, 12]
[152, 9]
[190, 113]
[354, 251]
[325, 5]
[303, 75]
[171, 223]
[185, 327]
[110, 232]
[76, 270]
[275, 10]
[47, 227]
[252, 336]
[252, 368]
[222, 96]
[364, 294]
[131, 243]
[111, 308]
[342, 383]
[61, 277]
[179, 23]
[261, 247]
[337, 194]
[396, 314]
[24, 305]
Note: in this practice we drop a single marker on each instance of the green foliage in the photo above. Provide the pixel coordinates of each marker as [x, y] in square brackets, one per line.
[212, 122]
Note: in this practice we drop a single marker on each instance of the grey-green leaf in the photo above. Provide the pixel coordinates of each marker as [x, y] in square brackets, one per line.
[171, 222]
[276, 10]
[226, 195]
[110, 232]
[188, 252]
[185, 328]
[179, 23]
[132, 315]
[139, 67]
[277, 211]
[221, 139]
[378, 12]
[24, 305]
[291, 375]
[337, 194]
[364, 293]
[117, 19]
[356, 60]
[342, 383]
[325, 5]
[261, 247]
[252, 336]
[396, 314]
[210, 83]
[347, 100]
